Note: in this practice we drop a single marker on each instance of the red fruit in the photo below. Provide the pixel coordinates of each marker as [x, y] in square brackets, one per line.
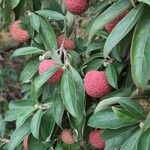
[68, 45]
[25, 144]
[95, 140]
[47, 64]
[109, 26]
[67, 136]
[77, 7]
[17, 33]
[96, 84]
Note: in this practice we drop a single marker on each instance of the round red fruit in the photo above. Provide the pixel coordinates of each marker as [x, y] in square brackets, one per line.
[47, 64]
[95, 140]
[96, 84]
[77, 7]
[17, 33]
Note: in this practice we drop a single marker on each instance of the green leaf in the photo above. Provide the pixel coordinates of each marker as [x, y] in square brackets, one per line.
[124, 115]
[2, 126]
[68, 93]
[35, 123]
[115, 138]
[131, 143]
[144, 140]
[23, 117]
[18, 135]
[112, 12]
[123, 28]
[140, 53]
[35, 144]
[39, 81]
[26, 51]
[80, 93]
[14, 3]
[131, 105]
[18, 104]
[106, 119]
[35, 21]
[145, 1]
[48, 35]
[29, 71]
[50, 14]
[47, 125]
[58, 109]
[18, 111]
[111, 75]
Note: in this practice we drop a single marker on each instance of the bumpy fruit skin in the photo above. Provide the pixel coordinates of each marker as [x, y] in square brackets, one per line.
[67, 137]
[95, 140]
[25, 144]
[68, 45]
[96, 84]
[17, 33]
[47, 64]
[109, 26]
[76, 7]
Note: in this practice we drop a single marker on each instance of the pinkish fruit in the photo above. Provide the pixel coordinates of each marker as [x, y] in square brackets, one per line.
[76, 7]
[47, 64]
[96, 84]
[17, 33]
[95, 140]
[67, 136]
[68, 45]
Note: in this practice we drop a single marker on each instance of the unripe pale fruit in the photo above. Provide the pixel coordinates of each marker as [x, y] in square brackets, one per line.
[17, 33]
[95, 140]
[47, 64]
[96, 84]
[67, 136]
[68, 45]
[25, 144]
[109, 26]
[76, 7]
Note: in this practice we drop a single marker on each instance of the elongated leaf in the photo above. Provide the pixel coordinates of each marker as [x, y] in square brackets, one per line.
[119, 136]
[135, 109]
[35, 123]
[35, 22]
[58, 109]
[26, 51]
[123, 28]
[13, 114]
[106, 119]
[145, 1]
[124, 115]
[140, 52]
[23, 117]
[68, 93]
[39, 81]
[144, 141]
[14, 3]
[29, 70]
[131, 143]
[112, 12]
[50, 14]
[111, 75]
[48, 35]
[80, 93]
[18, 135]
[35, 144]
